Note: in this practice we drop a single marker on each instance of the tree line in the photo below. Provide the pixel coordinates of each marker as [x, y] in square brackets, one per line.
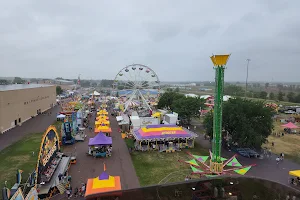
[290, 96]
[247, 122]
[186, 107]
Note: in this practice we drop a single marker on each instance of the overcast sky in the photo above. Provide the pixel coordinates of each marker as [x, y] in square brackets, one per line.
[64, 38]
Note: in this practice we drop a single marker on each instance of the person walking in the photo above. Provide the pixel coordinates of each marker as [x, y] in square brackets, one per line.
[277, 160]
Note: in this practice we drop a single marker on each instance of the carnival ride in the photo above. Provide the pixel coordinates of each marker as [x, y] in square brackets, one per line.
[216, 163]
[50, 165]
[67, 137]
[137, 80]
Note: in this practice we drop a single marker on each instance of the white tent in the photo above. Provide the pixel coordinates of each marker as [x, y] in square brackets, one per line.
[119, 118]
[95, 93]
[60, 116]
[226, 97]
[205, 96]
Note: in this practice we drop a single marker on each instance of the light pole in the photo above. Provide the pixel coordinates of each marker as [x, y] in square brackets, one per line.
[248, 60]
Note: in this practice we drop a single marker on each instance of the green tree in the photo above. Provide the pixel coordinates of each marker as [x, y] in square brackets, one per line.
[59, 90]
[85, 83]
[234, 90]
[291, 96]
[248, 122]
[267, 85]
[187, 107]
[106, 83]
[280, 96]
[18, 80]
[263, 95]
[4, 82]
[256, 94]
[166, 100]
[176, 89]
[34, 80]
[297, 98]
[272, 96]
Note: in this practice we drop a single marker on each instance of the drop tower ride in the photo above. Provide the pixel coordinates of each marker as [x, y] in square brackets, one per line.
[219, 62]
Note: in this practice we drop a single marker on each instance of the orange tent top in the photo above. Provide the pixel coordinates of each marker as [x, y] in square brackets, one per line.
[102, 184]
[104, 129]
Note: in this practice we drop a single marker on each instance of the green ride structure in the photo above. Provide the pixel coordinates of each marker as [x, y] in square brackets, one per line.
[215, 164]
[219, 61]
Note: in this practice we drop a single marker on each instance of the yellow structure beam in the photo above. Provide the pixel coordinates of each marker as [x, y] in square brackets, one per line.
[219, 60]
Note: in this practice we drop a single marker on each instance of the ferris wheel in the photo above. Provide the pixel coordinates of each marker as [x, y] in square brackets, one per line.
[136, 81]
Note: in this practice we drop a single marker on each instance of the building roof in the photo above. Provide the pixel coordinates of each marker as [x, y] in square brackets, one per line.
[21, 86]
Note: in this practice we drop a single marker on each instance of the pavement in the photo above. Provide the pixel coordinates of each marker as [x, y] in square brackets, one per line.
[38, 124]
[119, 164]
[266, 168]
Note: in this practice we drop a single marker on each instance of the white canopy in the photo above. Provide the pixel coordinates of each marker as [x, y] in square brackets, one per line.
[60, 116]
[96, 93]
[119, 118]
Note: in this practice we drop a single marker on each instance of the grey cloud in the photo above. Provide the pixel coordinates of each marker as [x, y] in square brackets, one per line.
[65, 38]
[199, 32]
[162, 31]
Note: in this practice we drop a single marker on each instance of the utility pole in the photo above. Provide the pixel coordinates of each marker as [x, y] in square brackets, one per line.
[248, 60]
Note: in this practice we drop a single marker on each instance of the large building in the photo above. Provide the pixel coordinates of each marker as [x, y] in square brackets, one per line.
[20, 102]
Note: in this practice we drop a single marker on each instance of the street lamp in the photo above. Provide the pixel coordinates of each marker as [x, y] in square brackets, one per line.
[248, 60]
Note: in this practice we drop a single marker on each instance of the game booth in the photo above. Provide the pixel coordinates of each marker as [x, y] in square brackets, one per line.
[103, 186]
[102, 112]
[104, 129]
[164, 138]
[100, 146]
[102, 117]
[51, 174]
[102, 124]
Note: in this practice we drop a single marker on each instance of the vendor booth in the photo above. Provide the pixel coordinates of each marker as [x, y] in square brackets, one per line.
[101, 123]
[102, 117]
[103, 186]
[100, 146]
[102, 112]
[104, 129]
[164, 138]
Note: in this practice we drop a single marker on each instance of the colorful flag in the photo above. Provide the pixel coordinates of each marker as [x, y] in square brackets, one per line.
[195, 170]
[201, 158]
[243, 171]
[234, 163]
[192, 162]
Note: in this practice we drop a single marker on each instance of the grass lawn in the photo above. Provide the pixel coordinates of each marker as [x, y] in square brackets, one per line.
[151, 167]
[19, 156]
[289, 144]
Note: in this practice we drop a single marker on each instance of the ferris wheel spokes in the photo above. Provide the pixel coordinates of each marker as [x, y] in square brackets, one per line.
[139, 79]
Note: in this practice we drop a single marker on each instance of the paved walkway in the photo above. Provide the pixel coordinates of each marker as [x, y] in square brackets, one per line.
[119, 164]
[35, 125]
[265, 168]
